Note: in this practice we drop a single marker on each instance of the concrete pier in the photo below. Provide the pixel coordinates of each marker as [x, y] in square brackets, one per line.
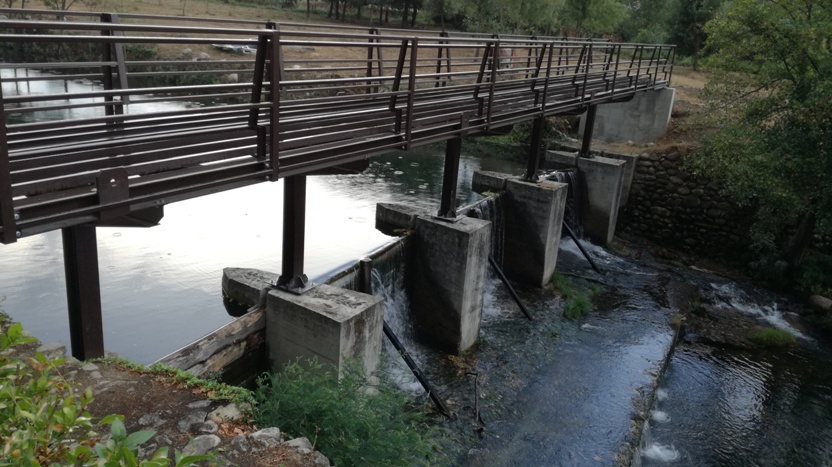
[446, 279]
[533, 223]
[332, 324]
[603, 182]
[642, 120]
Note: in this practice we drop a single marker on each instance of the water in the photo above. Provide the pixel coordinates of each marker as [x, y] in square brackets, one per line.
[161, 286]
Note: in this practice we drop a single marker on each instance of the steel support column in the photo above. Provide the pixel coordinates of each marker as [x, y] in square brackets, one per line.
[83, 292]
[589, 125]
[450, 178]
[534, 149]
[292, 277]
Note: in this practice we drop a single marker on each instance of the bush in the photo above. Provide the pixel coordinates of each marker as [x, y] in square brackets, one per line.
[45, 421]
[577, 302]
[346, 422]
[816, 275]
[772, 337]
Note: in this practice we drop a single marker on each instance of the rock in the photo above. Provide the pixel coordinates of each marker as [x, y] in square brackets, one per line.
[199, 404]
[240, 444]
[204, 56]
[321, 460]
[151, 419]
[228, 413]
[53, 350]
[95, 375]
[820, 304]
[265, 438]
[201, 445]
[207, 427]
[90, 367]
[301, 445]
[184, 425]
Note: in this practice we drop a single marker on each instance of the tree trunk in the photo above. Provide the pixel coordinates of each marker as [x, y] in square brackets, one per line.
[344, 12]
[308, 8]
[799, 243]
[331, 3]
[405, 10]
[413, 17]
[387, 14]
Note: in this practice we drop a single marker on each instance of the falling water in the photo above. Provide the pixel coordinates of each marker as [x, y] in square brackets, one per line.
[574, 198]
[490, 209]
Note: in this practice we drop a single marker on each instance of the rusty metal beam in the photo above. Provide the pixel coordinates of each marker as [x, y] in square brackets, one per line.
[292, 277]
[450, 178]
[589, 127]
[83, 292]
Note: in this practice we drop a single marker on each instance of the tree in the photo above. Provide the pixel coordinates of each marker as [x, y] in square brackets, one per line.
[593, 17]
[687, 25]
[771, 113]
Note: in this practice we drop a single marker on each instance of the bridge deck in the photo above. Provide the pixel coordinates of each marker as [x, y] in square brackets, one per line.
[111, 117]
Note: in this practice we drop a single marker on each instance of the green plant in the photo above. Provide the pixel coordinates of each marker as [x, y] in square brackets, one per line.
[816, 275]
[577, 302]
[45, 421]
[771, 337]
[350, 420]
[577, 306]
[211, 388]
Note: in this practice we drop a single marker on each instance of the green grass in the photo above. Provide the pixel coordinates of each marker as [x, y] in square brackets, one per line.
[772, 337]
[577, 301]
[351, 421]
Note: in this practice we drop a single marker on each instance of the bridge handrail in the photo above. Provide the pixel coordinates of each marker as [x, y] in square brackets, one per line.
[304, 101]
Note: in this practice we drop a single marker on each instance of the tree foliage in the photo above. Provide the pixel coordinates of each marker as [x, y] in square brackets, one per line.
[771, 111]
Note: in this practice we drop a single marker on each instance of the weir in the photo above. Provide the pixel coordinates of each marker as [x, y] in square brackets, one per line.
[277, 114]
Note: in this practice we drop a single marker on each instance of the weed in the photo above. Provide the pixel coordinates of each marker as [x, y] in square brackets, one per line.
[577, 306]
[346, 422]
[45, 421]
[772, 337]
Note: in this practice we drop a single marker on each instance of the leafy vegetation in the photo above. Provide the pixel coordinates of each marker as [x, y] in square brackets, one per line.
[352, 421]
[45, 421]
[772, 337]
[577, 302]
[769, 123]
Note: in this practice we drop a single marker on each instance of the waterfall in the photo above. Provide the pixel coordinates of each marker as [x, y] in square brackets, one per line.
[490, 209]
[574, 198]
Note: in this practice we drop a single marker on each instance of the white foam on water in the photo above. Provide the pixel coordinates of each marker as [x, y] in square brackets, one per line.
[660, 416]
[661, 453]
[733, 297]
[662, 394]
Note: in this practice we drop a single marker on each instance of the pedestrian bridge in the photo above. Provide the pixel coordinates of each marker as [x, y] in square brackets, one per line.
[87, 141]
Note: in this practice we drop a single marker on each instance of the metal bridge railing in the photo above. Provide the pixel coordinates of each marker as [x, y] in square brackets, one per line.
[109, 117]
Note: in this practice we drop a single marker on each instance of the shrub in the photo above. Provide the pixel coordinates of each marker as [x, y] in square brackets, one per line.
[772, 337]
[345, 421]
[45, 421]
[577, 302]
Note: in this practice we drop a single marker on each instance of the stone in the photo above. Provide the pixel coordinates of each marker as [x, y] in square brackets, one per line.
[228, 413]
[53, 350]
[96, 375]
[321, 460]
[184, 425]
[301, 445]
[90, 367]
[691, 202]
[201, 445]
[199, 404]
[207, 427]
[264, 439]
[820, 303]
[151, 419]
[240, 443]
[203, 56]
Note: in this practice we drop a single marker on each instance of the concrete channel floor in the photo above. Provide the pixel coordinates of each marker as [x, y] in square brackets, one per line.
[588, 399]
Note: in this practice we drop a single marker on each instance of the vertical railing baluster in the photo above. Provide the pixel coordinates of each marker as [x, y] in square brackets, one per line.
[481, 76]
[112, 107]
[397, 82]
[411, 90]
[370, 41]
[548, 76]
[495, 65]
[275, 75]
[7, 216]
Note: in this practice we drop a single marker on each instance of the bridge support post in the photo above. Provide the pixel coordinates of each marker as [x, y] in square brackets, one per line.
[83, 292]
[535, 149]
[292, 277]
[590, 125]
[450, 178]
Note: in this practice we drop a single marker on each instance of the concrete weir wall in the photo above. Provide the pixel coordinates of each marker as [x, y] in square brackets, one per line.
[603, 186]
[444, 272]
[642, 120]
[533, 222]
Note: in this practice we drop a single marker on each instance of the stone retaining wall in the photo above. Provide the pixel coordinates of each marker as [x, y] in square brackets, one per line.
[671, 205]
